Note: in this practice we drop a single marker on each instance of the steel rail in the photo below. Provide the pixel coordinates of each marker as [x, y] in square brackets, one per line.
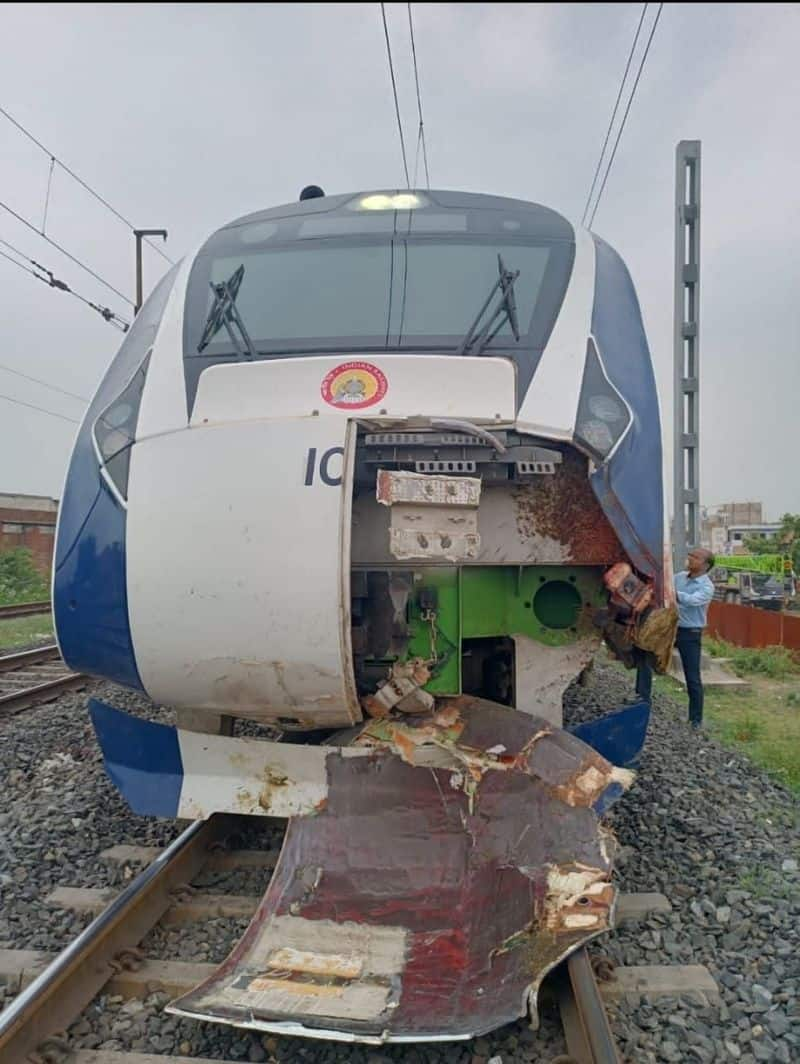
[15, 701]
[23, 609]
[60, 993]
[583, 1015]
[18, 660]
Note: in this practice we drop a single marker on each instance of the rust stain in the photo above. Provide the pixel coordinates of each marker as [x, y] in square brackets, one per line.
[405, 744]
[383, 488]
[583, 785]
[342, 966]
[291, 986]
[405, 679]
[447, 717]
[564, 508]
[273, 780]
[578, 898]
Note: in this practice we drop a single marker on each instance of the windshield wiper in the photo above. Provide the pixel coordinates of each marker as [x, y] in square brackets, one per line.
[225, 312]
[506, 311]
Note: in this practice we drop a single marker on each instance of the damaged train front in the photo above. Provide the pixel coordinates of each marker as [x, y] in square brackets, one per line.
[407, 555]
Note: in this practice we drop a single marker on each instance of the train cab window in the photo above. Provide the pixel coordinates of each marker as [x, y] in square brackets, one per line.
[295, 293]
[447, 284]
[115, 430]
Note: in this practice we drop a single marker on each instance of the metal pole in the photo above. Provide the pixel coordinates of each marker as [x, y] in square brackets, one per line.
[686, 523]
[138, 234]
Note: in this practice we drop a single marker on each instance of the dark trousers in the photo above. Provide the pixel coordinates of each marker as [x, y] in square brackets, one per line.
[688, 642]
[644, 675]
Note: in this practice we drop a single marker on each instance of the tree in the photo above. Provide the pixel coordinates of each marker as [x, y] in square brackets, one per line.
[20, 580]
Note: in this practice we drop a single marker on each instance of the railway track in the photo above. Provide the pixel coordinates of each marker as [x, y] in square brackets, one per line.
[54, 990]
[23, 609]
[33, 676]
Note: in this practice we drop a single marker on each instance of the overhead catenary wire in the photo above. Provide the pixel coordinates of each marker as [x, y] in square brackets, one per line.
[614, 114]
[68, 254]
[14, 261]
[47, 195]
[394, 91]
[53, 282]
[45, 384]
[41, 409]
[627, 110]
[56, 161]
[421, 131]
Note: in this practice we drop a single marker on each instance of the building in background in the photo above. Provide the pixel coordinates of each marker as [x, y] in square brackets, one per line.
[725, 528]
[29, 521]
[738, 534]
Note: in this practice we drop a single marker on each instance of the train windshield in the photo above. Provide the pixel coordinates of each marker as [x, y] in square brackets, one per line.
[300, 294]
[369, 292]
[418, 294]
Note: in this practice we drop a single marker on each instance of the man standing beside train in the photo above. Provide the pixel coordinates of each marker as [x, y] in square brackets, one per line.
[693, 592]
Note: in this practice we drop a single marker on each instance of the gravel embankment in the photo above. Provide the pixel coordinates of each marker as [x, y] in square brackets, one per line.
[701, 825]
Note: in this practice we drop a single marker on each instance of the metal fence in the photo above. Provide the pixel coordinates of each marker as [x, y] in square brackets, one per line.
[747, 626]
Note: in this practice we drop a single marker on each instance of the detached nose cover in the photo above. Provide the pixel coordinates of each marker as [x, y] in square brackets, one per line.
[448, 870]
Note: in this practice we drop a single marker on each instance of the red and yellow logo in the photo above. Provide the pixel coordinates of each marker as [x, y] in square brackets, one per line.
[354, 385]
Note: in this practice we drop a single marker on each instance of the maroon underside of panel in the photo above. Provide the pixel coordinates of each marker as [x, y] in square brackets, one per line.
[485, 869]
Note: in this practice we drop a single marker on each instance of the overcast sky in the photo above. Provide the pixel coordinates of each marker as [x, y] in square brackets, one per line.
[184, 117]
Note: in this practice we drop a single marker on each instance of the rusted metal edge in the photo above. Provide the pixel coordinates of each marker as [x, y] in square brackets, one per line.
[300, 1030]
[583, 1015]
[57, 996]
[9, 662]
[30, 696]
[22, 609]
[296, 1028]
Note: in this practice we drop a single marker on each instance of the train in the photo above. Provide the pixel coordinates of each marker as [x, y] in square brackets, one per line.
[369, 480]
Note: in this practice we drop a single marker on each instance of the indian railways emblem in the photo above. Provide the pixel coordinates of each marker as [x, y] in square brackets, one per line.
[354, 385]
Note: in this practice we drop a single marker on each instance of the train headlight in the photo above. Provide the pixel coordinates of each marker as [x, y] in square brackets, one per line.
[606, 408]
[603, 415]
[597, 435]
[381, 201]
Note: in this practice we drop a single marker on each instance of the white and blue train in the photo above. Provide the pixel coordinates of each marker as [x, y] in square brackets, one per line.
[377, 467]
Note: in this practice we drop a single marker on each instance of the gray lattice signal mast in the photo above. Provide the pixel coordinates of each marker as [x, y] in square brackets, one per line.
[686, 521]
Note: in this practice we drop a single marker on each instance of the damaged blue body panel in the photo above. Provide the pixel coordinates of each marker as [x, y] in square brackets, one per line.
[618, 736]
[142, 759]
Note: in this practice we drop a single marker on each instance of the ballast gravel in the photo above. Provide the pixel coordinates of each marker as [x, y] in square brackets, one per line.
[701, 825]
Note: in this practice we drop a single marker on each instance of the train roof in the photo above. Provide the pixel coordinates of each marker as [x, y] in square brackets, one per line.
[533, 219]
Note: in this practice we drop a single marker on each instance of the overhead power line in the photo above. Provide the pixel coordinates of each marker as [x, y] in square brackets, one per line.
[19, 264]
[37, 380]
[53, 282]
[614, 114]
[64, 251]
[625, 116]
[421, 131]
[41, 409]
[394, 91]
[54, 160]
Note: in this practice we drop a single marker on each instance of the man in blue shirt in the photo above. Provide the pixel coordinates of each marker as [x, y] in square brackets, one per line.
[693, 592]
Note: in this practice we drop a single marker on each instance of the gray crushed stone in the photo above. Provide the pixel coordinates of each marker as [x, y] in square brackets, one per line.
[701, 824]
